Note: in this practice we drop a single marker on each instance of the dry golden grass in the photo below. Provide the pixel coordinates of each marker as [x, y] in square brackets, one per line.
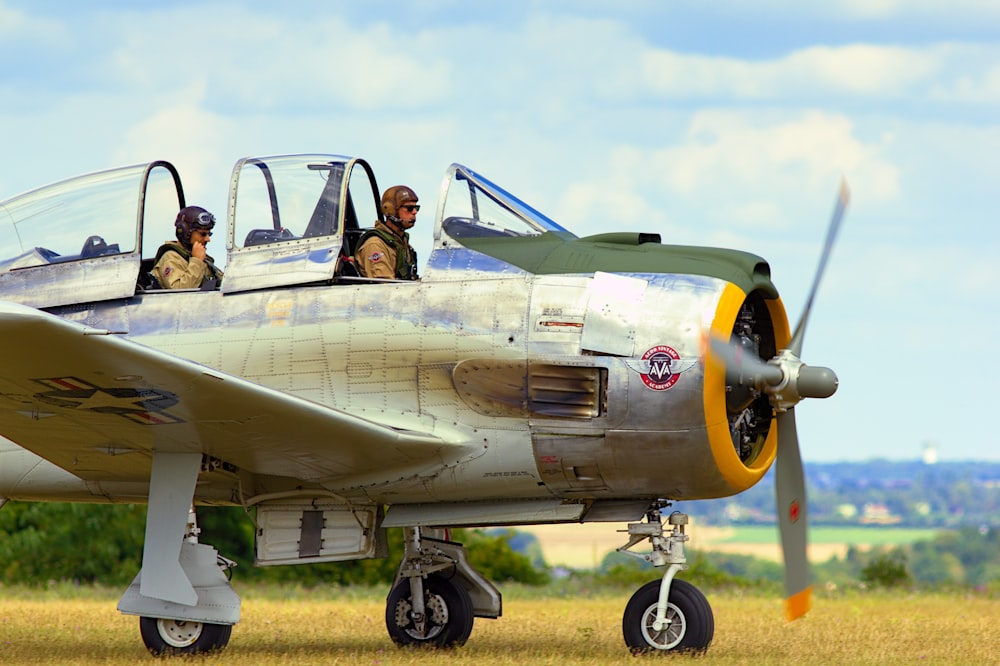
[865, 629]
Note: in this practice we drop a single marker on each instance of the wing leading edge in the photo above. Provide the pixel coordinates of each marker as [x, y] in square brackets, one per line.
[98, 405]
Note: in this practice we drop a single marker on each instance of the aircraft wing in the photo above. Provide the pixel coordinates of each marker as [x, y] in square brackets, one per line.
[97, 405]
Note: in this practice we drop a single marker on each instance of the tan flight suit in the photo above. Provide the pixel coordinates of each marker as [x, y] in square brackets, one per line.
[379, 255]
[177, 268]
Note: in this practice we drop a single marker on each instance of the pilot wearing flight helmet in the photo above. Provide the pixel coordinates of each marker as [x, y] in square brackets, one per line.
[385, 252]
[184, 263]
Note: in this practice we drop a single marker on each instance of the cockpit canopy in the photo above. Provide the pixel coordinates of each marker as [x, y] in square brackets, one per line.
[474, 206]
[291, 220]
[79, 240]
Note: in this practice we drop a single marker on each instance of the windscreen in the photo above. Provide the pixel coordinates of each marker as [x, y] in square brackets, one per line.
[477, 207]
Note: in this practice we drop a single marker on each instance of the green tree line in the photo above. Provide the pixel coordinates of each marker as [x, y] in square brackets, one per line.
[94, 543]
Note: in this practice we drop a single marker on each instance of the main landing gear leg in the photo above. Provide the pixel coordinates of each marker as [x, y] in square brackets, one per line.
[437, 594]
[665, 615]
[183, 599]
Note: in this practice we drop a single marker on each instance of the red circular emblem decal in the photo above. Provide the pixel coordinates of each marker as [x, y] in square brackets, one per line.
[660, 374]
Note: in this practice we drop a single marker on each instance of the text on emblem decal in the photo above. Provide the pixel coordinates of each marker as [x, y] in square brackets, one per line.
[661, 374]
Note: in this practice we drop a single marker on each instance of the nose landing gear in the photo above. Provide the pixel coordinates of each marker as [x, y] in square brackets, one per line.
[665, 615]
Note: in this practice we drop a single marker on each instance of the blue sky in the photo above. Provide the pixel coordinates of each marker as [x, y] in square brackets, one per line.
[713, 123]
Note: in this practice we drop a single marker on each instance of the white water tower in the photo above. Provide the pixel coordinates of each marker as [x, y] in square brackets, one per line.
[930, 452]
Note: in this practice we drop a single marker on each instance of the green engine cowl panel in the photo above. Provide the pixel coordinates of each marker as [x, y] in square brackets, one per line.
[624, 252]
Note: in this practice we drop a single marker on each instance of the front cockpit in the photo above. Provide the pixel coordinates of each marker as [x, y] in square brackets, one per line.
[472, 206]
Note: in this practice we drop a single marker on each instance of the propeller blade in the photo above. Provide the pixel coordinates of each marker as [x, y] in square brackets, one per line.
[843, 198]
[790, 493]
[787, 380]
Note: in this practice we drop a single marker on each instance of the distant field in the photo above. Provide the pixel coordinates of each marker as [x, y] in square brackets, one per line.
[858, 536]
[585, 546]
[315, 628]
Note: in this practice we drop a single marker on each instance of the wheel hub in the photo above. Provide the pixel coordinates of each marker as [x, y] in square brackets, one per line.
[672, 632]
[431, 625]
[179, 633]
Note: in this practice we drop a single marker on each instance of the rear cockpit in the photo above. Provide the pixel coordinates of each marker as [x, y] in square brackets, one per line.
[78, 240]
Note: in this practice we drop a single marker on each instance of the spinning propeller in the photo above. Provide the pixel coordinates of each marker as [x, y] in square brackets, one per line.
[786, 380]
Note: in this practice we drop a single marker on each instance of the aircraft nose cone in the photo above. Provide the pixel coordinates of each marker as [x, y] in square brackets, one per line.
[817, 382]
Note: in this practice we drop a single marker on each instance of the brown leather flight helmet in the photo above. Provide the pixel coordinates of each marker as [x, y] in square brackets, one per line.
[394, 197]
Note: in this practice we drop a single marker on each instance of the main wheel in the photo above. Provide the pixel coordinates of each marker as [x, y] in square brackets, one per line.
[690, 623]
[176, 637]
[448, 614]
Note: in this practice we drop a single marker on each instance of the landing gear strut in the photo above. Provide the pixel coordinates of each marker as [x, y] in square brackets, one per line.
[182, 595]
[428, 611]
[665, 615]
[437, 594]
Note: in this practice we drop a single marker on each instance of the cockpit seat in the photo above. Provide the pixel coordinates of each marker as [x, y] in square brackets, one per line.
[94, 246]
[147, 280]
[265, 236]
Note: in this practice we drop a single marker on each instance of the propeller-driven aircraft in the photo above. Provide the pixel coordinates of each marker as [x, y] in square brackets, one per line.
[529, 377]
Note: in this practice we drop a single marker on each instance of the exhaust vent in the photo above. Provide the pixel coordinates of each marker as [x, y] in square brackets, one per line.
[562, 391]
[511, 388]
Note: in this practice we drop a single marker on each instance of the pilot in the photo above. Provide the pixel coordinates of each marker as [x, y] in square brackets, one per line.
[184, 263]
[385, 252]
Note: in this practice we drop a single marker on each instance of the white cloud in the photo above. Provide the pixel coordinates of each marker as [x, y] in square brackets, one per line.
[756, 159]
[863, 11]
[613, 204]
[17, 28]
[869, 9]
[254, 63]
[194, 140]
[805, 151]
[861, 69]
[818, 71]
[977, 80]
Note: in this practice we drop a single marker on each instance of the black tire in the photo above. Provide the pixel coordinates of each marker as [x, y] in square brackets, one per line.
[176, 637]
[449, 614]
[692, 624]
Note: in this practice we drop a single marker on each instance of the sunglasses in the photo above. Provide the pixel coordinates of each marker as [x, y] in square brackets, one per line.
[411, 207]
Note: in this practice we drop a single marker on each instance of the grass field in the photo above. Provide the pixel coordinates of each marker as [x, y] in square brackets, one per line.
[585, 546]
[316, 628]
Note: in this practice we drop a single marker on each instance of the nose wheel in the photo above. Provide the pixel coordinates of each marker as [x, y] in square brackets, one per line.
[688, 624]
